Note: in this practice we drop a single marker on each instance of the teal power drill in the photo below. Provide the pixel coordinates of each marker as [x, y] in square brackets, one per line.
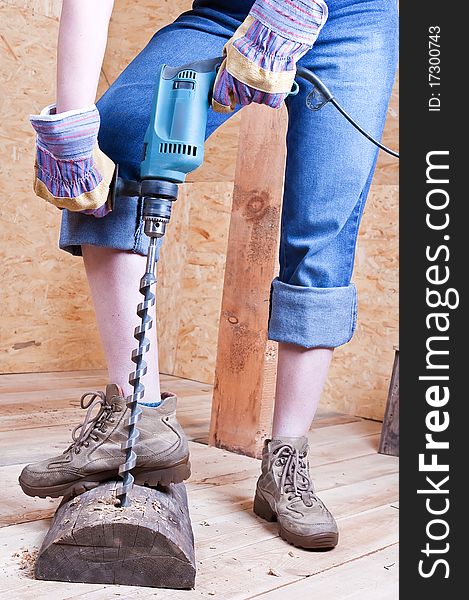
[174, 147]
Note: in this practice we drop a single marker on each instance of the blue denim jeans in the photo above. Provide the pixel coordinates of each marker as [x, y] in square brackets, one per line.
[329, 164]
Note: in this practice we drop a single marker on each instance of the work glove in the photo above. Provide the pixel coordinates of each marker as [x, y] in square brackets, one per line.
[71, 171]
[260, 58]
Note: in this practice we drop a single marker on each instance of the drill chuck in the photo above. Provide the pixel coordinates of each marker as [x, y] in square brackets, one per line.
[158, 198]
[156, 214]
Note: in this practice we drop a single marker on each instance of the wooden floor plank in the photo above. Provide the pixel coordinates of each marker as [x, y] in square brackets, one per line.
[222, 518]
[248, 572]
[34, 392]
[372, 577]
[14, 382]
[212, 468]
[390, 592]
[240, 556]
[195, 424]
[209, 472]
[342, 501]
[235, 574]
[344, 441]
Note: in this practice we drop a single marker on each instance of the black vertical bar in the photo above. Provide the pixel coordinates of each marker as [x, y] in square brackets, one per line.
[433, 344]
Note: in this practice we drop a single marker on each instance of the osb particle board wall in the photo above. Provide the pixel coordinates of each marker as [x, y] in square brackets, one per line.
[47, 321]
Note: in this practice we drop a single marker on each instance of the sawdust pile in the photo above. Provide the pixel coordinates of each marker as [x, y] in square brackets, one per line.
[27, 560]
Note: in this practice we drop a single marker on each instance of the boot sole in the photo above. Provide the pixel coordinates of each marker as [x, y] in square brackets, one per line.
[151, 477]
[316, 541]
[175, 474]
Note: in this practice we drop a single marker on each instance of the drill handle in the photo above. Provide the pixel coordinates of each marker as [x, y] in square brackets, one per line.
[210, 65]
[175, 138]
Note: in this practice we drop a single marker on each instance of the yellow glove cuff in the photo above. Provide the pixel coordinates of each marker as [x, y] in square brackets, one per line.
[89, 200]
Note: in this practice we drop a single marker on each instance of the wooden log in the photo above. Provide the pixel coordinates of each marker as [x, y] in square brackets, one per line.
[389, 443]
[246, 361]
[148, 543]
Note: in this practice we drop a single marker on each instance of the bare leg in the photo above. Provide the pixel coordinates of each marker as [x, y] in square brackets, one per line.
[114, 278]
[301, 374]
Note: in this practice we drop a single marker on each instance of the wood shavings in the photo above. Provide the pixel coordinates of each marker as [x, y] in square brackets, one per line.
[27, 560]
[272, 572]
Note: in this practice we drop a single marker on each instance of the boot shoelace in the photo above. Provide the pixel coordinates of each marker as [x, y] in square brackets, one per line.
[85, 431]
[295, 479]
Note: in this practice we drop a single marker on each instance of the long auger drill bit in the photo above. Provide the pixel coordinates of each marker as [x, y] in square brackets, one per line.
[158, 197]
[146, 283]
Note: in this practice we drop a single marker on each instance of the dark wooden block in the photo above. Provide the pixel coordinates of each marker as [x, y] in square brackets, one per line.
[389, 443]
[148, 543]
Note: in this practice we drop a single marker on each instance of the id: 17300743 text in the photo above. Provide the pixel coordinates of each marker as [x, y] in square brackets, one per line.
[434, 68]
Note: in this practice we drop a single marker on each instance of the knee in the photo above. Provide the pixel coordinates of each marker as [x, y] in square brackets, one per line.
[123, 124]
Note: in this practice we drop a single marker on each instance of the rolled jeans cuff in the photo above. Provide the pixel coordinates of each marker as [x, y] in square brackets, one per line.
[312, 317]
[121, 229]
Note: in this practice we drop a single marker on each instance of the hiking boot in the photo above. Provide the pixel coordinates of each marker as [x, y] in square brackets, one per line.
[95, 453]
[285, 493]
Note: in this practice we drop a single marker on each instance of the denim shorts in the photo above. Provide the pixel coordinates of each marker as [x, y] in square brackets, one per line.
[329, 164]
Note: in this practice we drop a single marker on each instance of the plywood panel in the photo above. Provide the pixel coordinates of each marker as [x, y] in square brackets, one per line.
[387, 169]
[361, 370]
[47, 320]
[47, 8]
[190, 280]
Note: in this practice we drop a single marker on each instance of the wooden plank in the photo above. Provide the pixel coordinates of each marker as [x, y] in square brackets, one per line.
[327, 444]
[326, 418]
[247, 572]
[224, 470]
[17, 382]
[51, 399]
[33, 444]
[343, 501]
[373, 577]
[246, 360]
[389, 443]
[211, 468]
[221, 542]
[46, 380]
[20, 385]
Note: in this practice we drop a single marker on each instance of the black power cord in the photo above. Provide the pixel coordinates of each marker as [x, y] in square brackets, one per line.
[327, 96]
